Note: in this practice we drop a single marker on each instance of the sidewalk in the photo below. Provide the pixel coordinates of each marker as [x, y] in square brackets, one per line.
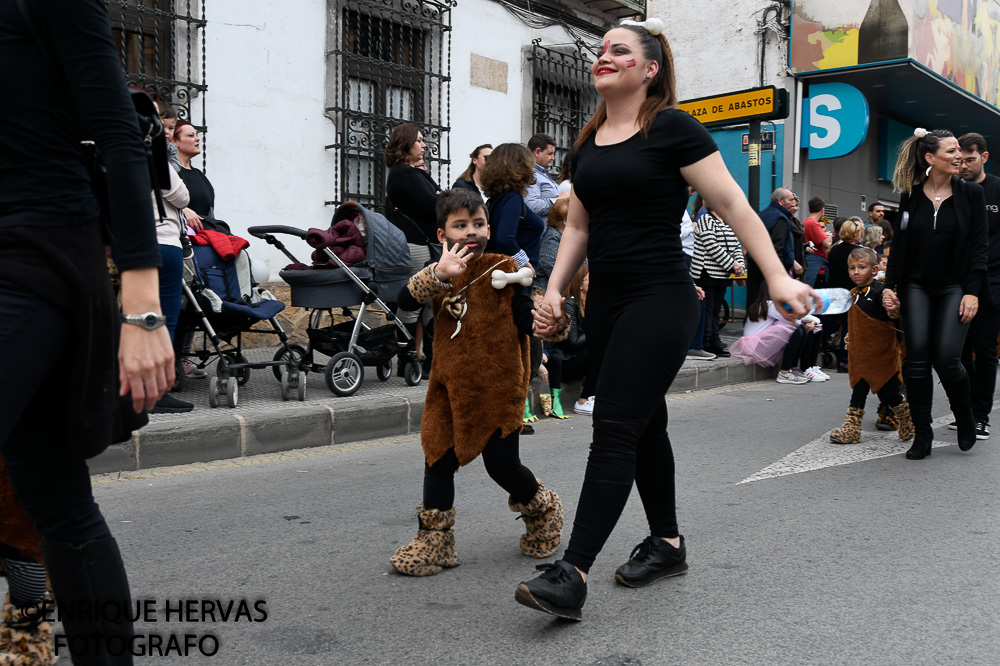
[263, 423]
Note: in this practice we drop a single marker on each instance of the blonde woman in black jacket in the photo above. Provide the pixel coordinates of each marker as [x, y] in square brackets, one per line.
[935, 273]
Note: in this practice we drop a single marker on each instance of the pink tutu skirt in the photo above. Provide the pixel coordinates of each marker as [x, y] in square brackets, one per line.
[766, 347]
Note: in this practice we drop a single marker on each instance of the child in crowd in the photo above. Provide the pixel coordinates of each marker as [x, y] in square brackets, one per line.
[769, 339]
[477, 388]
[169, 119]
[875, 360]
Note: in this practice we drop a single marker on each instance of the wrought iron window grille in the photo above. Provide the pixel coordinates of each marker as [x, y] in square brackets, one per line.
[388, 63]
[563, 97]
[161, 44]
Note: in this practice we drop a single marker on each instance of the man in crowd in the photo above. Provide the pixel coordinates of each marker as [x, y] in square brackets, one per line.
[815, 233]
[985, 327]
[544, 191]
[876, 213]
[777, 221]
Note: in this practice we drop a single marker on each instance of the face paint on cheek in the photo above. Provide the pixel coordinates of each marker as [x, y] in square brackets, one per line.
[630, 63]
[604, 48]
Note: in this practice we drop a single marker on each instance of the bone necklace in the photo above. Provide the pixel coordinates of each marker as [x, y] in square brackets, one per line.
[456, 304]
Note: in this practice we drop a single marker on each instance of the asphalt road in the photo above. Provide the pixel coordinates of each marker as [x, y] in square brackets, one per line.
[835, 555]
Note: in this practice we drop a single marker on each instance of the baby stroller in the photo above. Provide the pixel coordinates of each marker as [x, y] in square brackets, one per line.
[223, 301]
[352, 344]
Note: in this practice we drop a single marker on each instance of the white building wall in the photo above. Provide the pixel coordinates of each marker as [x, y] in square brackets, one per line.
[266, 76]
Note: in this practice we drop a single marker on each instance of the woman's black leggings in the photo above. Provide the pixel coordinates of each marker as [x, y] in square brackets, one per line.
[934, 332]
[889, 394]
[577, 367]
[793, 350]
[503, 464]
[638, 333]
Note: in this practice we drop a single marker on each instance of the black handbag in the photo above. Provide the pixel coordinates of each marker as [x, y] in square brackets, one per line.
[434, 249]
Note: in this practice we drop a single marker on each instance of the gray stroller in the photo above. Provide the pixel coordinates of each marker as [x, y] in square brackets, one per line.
[352, 344]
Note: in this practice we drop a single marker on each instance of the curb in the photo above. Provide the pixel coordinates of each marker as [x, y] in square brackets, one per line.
[220, 434]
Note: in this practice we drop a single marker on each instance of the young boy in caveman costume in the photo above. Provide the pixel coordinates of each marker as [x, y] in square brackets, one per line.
[473, 407]
[875, 359]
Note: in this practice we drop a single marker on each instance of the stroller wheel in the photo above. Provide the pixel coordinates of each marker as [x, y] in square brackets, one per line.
[344, 374]
[302, 387]
[243, 374]
[298, 352]
[413, 373]
[384, 371]
[285, 389]
[213, 391]
[828, 359]
[232, 388]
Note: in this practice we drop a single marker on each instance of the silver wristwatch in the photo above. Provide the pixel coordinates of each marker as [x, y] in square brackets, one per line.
[149, 321]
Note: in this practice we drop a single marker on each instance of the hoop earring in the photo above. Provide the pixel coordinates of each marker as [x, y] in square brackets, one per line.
[928, 172]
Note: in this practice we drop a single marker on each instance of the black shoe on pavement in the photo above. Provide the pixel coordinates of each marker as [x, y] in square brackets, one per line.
[168, 404]
[650, 561]
[721, 352]
[921, 447]
[982, 430]
[559, 591]
[527, 429]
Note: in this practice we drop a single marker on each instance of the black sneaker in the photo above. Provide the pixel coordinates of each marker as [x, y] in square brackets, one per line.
[982, 430]
[721, 352]
[559, 591]
[953, 425]
[168, 404]
[650, 561]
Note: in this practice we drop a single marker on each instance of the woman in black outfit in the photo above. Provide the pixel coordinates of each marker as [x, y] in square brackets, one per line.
[470, 177]
[55, 297]
[202, 193]
[410, 205]
[636, 156]
[937, 265]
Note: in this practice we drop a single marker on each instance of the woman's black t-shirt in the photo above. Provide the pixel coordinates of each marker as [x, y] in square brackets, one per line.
[931, 259]
[635, 196]
[201, 190]
[838, 274]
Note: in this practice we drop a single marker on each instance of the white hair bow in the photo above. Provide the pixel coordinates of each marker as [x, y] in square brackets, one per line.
[920, 132]
[653, 25]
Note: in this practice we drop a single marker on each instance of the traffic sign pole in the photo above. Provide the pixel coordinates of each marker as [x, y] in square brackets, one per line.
[753, 194]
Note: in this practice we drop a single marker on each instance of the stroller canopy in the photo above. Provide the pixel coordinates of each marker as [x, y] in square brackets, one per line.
[388, 255]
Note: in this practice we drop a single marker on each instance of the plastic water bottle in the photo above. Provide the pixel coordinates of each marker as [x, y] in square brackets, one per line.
[835, 301]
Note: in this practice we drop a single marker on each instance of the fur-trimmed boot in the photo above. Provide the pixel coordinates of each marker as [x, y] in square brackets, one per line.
[850, 432]
[543, 522]
[903, 418]
[434, 547]
[25, 637]
[886, 418]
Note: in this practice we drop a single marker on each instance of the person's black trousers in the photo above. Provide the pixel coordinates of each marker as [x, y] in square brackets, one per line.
[639, 329]
[81, 556]
[984, 329]
[889, 393]
[714, 296]
[793, 350]
[503, 464]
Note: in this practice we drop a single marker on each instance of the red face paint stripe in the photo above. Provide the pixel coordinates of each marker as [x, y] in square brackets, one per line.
[630, 63]
[607, 47]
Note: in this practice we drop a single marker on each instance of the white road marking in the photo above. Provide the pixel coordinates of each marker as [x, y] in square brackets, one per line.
[821, 452]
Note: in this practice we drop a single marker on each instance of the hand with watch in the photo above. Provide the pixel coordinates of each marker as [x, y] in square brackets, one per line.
[145, 354]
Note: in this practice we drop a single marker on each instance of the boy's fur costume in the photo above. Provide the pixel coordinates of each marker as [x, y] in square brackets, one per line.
[876, 356]
[486, 351]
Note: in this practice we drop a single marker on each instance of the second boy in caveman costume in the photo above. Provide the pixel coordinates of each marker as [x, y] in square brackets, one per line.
[477, 387]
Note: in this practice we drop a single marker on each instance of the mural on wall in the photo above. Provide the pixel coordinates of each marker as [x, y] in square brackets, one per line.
[958, 39]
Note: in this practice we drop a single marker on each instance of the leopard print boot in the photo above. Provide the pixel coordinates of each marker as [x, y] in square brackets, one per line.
[25, 638]
[850, 432]
[902, 413]
[543, 522]
[434, 547]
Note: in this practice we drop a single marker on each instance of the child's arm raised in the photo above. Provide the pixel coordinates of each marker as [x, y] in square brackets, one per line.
[433, 279]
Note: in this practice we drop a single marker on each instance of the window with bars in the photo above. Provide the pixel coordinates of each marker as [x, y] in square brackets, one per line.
[388, 63]
[563, 98]
[161, 44]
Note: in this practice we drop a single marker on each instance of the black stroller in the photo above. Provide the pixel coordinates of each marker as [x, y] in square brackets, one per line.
[223, 301]
[352, 344]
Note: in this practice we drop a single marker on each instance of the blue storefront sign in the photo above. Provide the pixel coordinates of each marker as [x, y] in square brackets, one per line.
[834, 120]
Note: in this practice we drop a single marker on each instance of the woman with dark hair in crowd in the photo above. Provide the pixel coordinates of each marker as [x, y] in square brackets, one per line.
[411, 198]
[636, 156]
[851, 231]
[937, 265]
[717, 257]
[515, 230]
[61, 401]
[470, 177]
